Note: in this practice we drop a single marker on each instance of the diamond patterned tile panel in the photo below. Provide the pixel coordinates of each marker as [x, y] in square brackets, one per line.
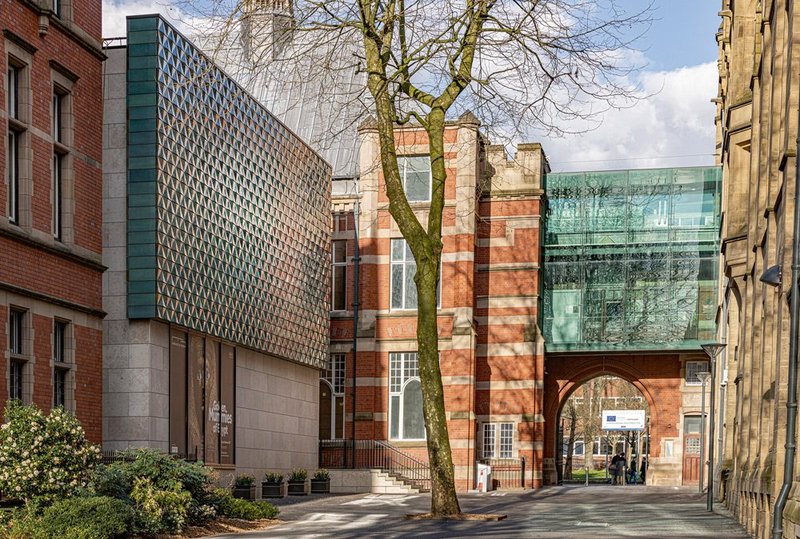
[242, 211]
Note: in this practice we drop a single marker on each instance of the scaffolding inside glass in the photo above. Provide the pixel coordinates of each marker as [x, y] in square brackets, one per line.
[631, 259]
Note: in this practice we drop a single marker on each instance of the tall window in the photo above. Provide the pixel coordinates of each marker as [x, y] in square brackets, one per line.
[692, 368]
[331, 402]
[339, 276]
[405, 398]
[57, 7]
[60, 363]
[404, 267]
[12, 141]
[16, 348]
[498, 440]
[415, 172]
[60, 151]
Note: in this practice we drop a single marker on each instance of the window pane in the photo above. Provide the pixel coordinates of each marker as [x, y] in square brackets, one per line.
[397, 286]
[398, 250]
[413, 422]
[394, 422]
[15, 382]
[417, 177]
[59, 387]
[395, 373]
[339, 288]
[340, 251]
[506, 440]
[488, 440]
[13, 175]
[410, 286]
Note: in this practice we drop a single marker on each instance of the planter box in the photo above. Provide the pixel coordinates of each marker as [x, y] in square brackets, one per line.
[320, 486]
[271, 490]
[296, 488]
[245, 493]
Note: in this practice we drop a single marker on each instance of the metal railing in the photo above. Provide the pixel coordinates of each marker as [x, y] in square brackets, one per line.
[110, 456]
[507, 473]
[340, 454]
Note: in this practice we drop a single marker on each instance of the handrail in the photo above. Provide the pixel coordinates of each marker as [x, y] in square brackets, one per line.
[375, 454]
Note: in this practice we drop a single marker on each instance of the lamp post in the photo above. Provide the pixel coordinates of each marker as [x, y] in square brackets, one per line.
[703, 377]
[712, 350]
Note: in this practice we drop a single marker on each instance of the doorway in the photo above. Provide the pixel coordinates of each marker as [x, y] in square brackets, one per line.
[691, 450]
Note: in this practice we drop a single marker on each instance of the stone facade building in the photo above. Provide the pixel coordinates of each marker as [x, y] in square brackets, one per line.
[217, 231]
[51, 266]
[757, 119]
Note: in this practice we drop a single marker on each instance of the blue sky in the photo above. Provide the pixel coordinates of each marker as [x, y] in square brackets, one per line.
[671, 125]
[684, 33]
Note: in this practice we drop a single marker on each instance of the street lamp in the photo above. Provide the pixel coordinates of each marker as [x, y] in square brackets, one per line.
[712, 350]
[703, 377]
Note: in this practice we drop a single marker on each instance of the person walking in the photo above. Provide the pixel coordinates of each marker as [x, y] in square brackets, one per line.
[644, 469]
[632, 471]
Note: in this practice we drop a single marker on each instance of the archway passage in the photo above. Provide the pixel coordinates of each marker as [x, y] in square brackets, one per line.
[657, 377]
[590, 452]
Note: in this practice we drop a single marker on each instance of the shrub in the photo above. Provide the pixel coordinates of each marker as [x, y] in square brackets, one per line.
[273, 477]
[244, 480]
[298, 474]
[159, 510]
[163, 472]
[322, 474]
[97, 517]
[43, 456]
[232, 507]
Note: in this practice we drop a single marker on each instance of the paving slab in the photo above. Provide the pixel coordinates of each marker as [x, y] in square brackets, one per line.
[554, 512]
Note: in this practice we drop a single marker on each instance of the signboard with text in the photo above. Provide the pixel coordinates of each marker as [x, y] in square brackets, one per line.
[623, 419]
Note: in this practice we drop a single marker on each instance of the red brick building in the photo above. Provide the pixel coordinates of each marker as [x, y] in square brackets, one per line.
[51, 265]
[490, 347]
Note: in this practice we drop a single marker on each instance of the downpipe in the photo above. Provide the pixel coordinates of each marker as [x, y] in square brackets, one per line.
[791, 397]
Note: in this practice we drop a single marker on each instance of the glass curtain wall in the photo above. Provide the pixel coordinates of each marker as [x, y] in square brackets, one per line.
[631, 259]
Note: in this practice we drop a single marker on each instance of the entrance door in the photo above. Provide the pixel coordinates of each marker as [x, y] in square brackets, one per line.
[325, 412]
[691, 450]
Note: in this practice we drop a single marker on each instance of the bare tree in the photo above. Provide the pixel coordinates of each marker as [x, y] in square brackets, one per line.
[519, 65]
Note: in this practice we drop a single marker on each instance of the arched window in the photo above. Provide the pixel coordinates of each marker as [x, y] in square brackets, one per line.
[405, 398]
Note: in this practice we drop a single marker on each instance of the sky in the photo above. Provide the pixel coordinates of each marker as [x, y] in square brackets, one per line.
[671, 125]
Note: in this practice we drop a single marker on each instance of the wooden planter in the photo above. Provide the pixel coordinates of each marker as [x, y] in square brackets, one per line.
[245, 493]
[271, 490]
[320, 486]
[296, 488]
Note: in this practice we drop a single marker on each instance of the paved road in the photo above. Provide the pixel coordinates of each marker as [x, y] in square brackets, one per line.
[569, 511]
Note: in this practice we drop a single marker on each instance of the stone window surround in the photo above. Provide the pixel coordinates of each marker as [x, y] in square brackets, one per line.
[22, 59]
[68, 364]
[697, 366]
[63, 87]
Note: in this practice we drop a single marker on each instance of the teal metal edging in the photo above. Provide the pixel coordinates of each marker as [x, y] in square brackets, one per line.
[142, 113]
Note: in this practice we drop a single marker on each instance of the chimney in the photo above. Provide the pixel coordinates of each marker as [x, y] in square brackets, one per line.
[267, 27]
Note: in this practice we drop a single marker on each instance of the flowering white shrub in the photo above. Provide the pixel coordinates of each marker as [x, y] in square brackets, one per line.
[43, 456]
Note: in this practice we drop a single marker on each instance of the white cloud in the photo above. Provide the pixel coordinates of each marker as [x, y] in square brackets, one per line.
[115, 11]
[676, 120]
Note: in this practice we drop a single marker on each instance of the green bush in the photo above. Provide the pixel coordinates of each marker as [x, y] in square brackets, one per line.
[244, 480]
[43, 456]
[322, 474]
[159, 510]
[232, 507]
[163, 472]
[97, 517]
[298, 474]
[273, 477]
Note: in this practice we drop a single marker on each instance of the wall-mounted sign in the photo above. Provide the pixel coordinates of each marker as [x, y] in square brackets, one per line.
[623, 419]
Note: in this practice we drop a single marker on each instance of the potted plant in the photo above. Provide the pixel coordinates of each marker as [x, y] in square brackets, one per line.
[272, 485]
[244, 487]
[321, 482]
[296, 485]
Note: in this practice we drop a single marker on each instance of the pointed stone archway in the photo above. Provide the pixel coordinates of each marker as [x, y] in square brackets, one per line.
[657, 377]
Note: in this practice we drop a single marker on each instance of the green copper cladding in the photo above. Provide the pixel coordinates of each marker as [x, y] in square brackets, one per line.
[228, 211]
[631, 259]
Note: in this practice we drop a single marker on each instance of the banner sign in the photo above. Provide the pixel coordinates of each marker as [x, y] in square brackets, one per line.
[623, 419]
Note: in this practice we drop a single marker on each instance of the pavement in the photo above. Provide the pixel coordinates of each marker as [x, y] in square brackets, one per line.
[563, 512]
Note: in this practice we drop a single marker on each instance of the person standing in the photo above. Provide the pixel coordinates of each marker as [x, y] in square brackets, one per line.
[632, 471]
[620, 469]
[613, 469]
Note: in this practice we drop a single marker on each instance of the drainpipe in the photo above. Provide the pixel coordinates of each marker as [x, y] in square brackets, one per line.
[791, 397]
[356, 263]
